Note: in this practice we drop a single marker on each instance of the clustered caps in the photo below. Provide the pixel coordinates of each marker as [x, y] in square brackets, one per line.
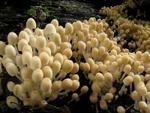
[47, 61]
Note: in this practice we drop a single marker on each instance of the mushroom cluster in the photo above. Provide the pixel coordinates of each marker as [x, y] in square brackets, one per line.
[131, 33]
[49, 63]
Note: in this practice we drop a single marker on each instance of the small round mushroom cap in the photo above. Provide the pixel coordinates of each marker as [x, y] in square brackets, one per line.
[68, 28]
[56, 66]
[81, 45]
[24, 35]
[35, 63]
[10, 86]
[75, 96]
[95, 87]
[52, 46]
[46, 84]
[75, 77]
[28, 31]
[75, 85]
[31, 24]
[67, 66]
[40, 42]
[49, 29]
[121, 109]
[26, 58]
[10, 51]
[18, 90]
[12, 38]
[67, 52]
[127, 68]
[99, 77]
[103, 104]
[142, 105]
[45, 49]
[12, 69]
[67, 83]
[27, 48]
[38, 32]
[37, 75]
[57, 86]
[59, 57]
[75, 68]
[128, 80]
[21, 44]
[84, 89]
[55, 37]
[77, 25]
[19, 60]
[44, 57]
[55, 22]
[12, 102]
[141, 88]
[47, 70]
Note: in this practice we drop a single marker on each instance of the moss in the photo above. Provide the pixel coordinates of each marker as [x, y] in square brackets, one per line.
[40, 12]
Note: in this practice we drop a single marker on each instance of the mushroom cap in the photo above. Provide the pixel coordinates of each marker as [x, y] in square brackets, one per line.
[12, 102]
[31, 24]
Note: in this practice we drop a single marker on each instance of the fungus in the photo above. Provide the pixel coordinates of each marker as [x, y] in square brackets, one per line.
[12, 38]
[12, 102]
[121, 109]
[12, 69]
[10, 86]
[10, 51]
[31, 24]
[35, 62]
[47, 71]
[46, 84]
[67, 83]
[44, 57]
[37, 75]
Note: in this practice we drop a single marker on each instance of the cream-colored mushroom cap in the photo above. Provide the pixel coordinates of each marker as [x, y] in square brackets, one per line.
[67, 83]
[31, 24]
[59, 57]
[21, 44]
[68, 28]
[55, 22]
[26, 58]
[37, 75]
[12, 69]
[35, 63]
[121, 109]
[12, 102]
[84, 89]
[67, 52]
[56, 66]
[24, 35]
[40, 42]
[67, 66]
[10, 51]
[12, 38]
[10, 86]
[55, 37]
[47, 71]
[56, 86]
[49, 29]
[44, 57]
[75, 85]
[46, 84]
